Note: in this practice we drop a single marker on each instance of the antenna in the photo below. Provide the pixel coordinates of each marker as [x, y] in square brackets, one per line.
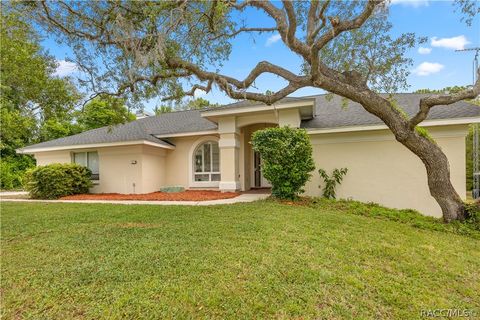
[475, 60]
[476, 135]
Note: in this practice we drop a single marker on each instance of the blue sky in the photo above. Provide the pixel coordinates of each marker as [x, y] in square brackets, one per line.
[436, 64]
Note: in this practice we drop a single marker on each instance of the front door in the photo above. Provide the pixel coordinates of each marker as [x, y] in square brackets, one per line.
[259, 179]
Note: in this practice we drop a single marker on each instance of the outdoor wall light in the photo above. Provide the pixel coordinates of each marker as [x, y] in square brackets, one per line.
[133, 162]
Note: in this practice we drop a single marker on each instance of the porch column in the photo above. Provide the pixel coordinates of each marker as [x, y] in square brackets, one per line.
[229, 145]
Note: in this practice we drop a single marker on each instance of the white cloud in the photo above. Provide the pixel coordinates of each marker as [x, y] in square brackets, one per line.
[272, 39]
[428, 68]
[456, 43]
[199, 93]
[423, 50]
[65, 68]
[411, 3]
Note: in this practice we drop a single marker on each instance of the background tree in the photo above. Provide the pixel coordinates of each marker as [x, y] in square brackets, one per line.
[31, 96]
[155, 48]
[103, 111]
[162, 109]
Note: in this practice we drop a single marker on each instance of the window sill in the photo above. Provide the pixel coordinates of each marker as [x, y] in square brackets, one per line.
[95, 182]
[204, 184]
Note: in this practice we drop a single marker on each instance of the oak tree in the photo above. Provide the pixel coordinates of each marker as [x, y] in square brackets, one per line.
[173, 48]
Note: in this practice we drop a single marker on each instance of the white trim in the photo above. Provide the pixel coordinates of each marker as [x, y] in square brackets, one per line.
[93, 145]
[191, 172]
[257, 108]
[187, 134]
[229, 185]
[427, 123]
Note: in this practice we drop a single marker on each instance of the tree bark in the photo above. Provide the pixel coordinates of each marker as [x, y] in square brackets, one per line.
[438, 174]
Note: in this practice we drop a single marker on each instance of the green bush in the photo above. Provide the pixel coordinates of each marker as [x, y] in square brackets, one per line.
[329, 191]
[473, 215]
[57, 180]
[12, 170]
[286, 159]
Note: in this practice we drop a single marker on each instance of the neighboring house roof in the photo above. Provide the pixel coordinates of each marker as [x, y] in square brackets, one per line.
[329, 113]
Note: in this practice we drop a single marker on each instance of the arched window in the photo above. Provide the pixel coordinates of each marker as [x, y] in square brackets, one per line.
[207, 162]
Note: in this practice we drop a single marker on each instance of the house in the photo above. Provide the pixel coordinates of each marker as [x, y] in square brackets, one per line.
[211, 149]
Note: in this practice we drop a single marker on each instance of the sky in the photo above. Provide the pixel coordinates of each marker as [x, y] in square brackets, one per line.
[436, 63]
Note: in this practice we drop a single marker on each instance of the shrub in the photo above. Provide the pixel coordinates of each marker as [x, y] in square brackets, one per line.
[473, 215]
[57, 180]
[12, 170]
[329, 191]
[286, 159]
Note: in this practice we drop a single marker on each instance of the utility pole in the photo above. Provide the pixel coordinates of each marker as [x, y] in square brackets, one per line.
[476, 135]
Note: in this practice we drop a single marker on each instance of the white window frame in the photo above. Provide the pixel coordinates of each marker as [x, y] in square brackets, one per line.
[203, 184]
[86, 157]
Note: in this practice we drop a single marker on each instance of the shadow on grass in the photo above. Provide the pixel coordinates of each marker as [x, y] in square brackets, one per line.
[374, 210]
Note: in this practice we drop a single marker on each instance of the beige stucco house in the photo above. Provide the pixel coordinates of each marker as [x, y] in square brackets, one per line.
[211, 149]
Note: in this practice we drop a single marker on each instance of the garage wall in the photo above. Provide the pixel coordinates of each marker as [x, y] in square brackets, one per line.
[382, 170]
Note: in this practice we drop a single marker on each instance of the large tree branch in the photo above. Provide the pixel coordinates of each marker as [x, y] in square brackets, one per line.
[339, 27]
[429, 102]
[242, 30]
[286, 30]
[313, 31]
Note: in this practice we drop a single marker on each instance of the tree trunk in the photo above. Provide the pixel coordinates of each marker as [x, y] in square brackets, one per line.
[432, 156]
[438, 173]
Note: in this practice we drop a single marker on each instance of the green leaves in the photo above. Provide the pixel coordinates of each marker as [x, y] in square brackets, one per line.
[57, 180]
[287, 159]
[104, 111]
[329, 191]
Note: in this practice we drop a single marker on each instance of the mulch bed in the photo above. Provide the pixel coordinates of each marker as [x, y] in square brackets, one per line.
[188, 195]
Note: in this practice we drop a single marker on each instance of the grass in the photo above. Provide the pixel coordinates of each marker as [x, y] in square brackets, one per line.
[244, 261]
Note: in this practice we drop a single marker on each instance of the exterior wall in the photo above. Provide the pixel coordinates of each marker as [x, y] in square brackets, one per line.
[50, 157]
[179, 162]
[382, 170]
[153, 168]
[289, 117]
[118, 173]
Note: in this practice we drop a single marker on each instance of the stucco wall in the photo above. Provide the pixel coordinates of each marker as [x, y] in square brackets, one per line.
[382, 170]
[117, 172]
[45, 158]
[179, 162]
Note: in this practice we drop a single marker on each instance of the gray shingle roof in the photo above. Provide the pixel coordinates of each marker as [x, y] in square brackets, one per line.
[329, 114]
[142, 129]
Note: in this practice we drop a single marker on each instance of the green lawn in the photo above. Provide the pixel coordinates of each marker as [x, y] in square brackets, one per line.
[257, 260]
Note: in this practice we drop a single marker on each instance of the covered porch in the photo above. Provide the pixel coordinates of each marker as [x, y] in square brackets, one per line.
[240, 167]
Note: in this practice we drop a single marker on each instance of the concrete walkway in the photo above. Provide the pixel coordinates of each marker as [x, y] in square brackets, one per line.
[245, 197]
[13, 193]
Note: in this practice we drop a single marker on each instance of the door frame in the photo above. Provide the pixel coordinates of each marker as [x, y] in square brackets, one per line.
[263, 182]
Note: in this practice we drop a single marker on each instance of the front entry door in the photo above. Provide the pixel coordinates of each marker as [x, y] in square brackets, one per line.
[259, 180]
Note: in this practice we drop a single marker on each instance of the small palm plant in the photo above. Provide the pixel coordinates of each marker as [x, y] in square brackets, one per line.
[329, 191]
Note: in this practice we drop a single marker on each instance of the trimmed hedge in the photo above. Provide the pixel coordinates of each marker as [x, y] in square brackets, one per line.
[287, 160]
[57, 180]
